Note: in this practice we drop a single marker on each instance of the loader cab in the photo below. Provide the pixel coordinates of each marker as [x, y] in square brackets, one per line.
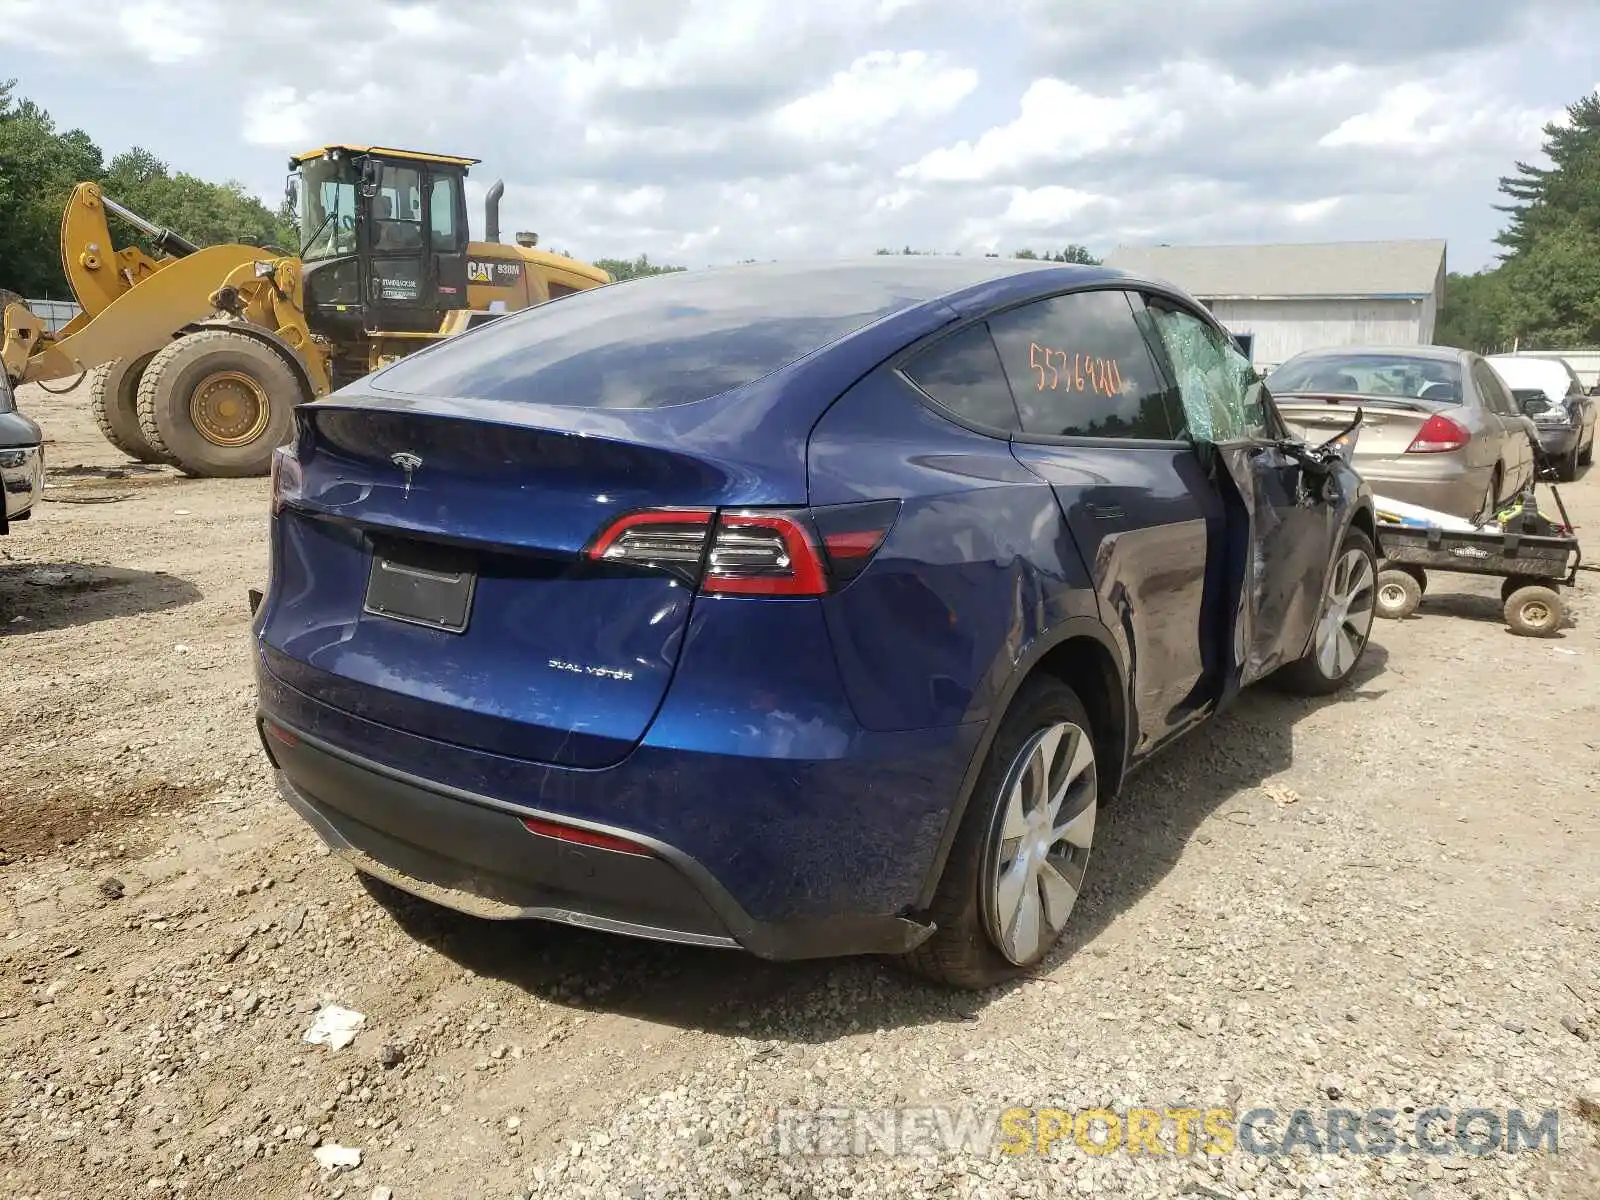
[383, 238]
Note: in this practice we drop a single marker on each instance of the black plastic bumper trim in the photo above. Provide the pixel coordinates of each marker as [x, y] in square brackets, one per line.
[714, 917]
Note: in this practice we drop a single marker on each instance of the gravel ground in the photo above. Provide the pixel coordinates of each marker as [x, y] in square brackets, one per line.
[1389, 900]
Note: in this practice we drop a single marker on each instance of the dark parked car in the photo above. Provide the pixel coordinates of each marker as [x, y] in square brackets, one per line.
[808, 609]
[1441, 429]
[1548, 390]
[21, 460]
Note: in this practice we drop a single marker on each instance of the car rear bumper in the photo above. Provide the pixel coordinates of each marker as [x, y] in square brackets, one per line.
[785, 859]
[1437, 483]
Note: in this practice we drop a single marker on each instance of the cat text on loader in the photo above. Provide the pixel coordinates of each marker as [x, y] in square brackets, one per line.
[200, 354]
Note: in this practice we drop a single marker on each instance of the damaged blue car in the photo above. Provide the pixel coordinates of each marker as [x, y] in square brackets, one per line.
[809, 609]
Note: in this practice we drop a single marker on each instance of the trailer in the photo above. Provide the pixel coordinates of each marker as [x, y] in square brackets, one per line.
[1534, 555]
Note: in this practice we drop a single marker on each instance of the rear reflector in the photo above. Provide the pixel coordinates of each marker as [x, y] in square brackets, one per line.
[280, 734]
[1438, 435]
[583, 837]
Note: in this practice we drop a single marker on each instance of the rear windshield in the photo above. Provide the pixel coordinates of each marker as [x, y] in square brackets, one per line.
[1550, 378]
[664, 340]
[1371, 375]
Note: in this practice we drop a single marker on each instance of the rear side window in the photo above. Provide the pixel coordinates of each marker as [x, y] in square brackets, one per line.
[1495, 394]
[963, 375]
[660, 341]
[1079, 367]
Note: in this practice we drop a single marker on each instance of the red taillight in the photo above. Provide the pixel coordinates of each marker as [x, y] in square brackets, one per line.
[764, 554]
[583, 837]
[662, 537]
[1438, 435]
[751, 552]
[286, 479]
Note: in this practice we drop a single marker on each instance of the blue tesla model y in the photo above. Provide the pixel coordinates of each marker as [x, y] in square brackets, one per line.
[811, 609]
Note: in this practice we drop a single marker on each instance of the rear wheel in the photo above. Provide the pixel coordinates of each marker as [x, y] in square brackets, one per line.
[1018, 862]
[1567, 466]
[114, 401]
[218, 403]
[1535, 611]
[1587, 457]
[1344, 624]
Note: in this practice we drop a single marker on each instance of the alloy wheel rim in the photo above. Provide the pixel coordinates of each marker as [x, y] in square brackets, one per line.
[1039, 843]
[1347, 613]
[229, 408]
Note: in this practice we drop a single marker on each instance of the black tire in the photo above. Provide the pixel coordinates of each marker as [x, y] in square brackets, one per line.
[181, 367]
[961, 951]
[1398, 594]
[1307, 675]
[1586, 459]
[1513, 583]
[1535, 611]
[114, 401]
[1567, 466]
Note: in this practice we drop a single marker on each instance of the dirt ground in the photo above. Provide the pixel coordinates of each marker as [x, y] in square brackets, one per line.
[1386, 900]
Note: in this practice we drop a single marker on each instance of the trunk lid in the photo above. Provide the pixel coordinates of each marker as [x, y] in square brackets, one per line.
[1389, 423]
[430, 573]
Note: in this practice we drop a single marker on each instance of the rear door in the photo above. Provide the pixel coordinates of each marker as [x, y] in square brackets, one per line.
[1514, 446]
[1100, 425]
[1280, 534]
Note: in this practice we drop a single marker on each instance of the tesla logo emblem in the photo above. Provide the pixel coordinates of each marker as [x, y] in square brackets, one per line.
[407, 462]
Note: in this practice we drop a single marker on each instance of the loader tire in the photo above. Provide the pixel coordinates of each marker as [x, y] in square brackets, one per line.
[114, 400]
[218, 403]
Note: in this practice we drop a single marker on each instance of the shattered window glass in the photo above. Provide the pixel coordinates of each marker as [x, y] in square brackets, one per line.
[1220, 390]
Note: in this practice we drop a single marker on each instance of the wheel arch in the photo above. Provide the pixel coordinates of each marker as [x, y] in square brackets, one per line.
[1082, 654]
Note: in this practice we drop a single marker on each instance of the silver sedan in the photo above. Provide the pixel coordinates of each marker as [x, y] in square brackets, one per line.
[1441, 429]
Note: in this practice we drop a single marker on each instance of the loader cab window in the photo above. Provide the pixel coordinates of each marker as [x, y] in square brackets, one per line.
[397, 209]
[327, 208]
[443, 203]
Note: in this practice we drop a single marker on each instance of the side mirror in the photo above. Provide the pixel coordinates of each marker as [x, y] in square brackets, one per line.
[369, 178]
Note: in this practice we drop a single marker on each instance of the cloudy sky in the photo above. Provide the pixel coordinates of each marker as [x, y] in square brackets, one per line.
[708, 131]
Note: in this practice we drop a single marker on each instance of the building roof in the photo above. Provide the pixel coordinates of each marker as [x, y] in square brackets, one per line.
[1369, 270]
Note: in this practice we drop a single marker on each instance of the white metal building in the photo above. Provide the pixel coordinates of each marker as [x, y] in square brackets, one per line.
[1282, 299]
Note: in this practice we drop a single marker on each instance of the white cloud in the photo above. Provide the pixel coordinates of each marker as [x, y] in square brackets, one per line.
[712, 130]
[1057, 122]
[875, 91]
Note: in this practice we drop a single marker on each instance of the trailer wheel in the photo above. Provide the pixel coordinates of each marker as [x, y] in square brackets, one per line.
[1399, 594]
[218, 403]
[114, 401]
[1513, 583]
[1535, 611]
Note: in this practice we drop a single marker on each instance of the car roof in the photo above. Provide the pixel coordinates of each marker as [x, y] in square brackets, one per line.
[1531, 366]
[1434, 353]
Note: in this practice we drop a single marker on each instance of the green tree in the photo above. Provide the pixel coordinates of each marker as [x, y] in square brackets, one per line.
[1073, 253]
[38, 168]
[206, 213]
[1475, 315]
[1551, 273]
[636, 268]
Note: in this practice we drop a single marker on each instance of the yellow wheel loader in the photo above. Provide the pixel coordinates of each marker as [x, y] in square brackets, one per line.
[199, 354]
